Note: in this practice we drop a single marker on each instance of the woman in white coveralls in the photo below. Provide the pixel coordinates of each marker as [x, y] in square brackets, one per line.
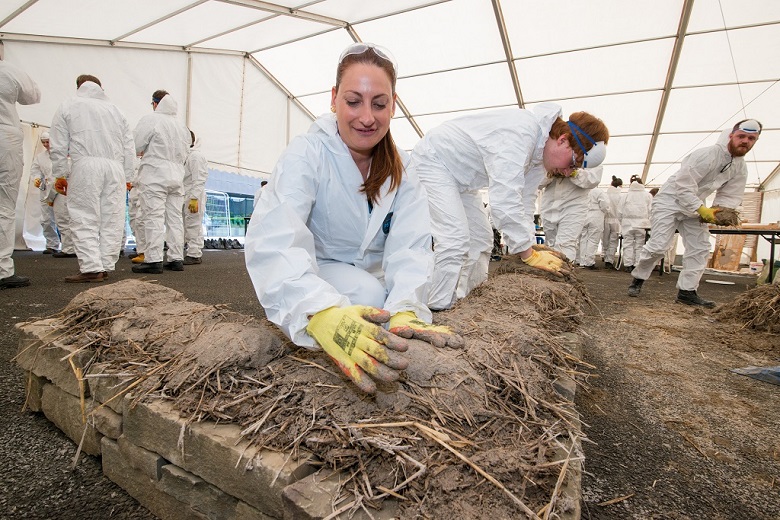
[506, 151]
[340, 241]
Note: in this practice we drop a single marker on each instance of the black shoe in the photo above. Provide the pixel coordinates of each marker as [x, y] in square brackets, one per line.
[192, 260]
[64, 255]
[628, 268]
[149, 268]
[176, 265]
[592, 267]
[121, 252]
[13, 281]
[49, 251]
[609, 265]
[691, 298]
[636, 287]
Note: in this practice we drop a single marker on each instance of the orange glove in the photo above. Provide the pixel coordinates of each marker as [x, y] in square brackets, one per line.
[129, 186]
[61, 185]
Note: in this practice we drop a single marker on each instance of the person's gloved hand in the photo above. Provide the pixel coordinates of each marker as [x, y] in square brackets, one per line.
[129, 186]
[37, 182]
[407, 325]
[61, 185]
[547, 261]
[707, 214]
[193, 205]
[50, 203]
[352, 337]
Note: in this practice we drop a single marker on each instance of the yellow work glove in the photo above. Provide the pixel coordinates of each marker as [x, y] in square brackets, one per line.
[547, 261]
[407, 325]
[37, 183]
[61, 185]
[707, 214]
[352, 337]
[193, 206]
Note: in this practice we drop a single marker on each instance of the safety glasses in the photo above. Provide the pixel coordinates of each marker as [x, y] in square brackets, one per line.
[361, 47]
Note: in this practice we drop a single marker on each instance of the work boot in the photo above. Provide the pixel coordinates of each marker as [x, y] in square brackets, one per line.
[14, 281]
[192, 260]
[84, 278]
[149, 268]
[636, 287]
[691, 298]
[175, 265]
[609, 265]
[138, 259]
[49, 251]
[63, 255]
[628, 268]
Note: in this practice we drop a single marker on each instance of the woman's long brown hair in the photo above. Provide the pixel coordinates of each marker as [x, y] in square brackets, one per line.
[386, 162]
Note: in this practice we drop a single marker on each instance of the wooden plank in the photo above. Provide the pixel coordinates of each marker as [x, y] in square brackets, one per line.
[728, 250]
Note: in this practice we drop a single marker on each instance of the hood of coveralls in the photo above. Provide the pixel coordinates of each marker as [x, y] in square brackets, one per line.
[91, 89]
[167, 105]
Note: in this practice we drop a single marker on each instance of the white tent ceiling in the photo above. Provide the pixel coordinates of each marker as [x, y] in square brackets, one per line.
[666, 76]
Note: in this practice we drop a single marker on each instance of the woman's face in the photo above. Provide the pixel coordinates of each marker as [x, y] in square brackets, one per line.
[365, 104]
[558, 155]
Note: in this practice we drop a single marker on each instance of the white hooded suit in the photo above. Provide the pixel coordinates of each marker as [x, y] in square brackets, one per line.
[598, 209]
[675, 205]
[164, 142]
[634, 215]
[500, 150]
[564, 206]
[96, 135]
[15, 87]
[196, 172]
[314, 242]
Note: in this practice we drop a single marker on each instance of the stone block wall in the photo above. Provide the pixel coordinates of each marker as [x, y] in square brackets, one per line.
[175, 469]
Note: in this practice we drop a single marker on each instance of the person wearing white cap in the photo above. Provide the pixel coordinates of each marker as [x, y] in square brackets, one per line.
[40, 172]
[196, 169]
[680, 205]
[506, 151]
[15, 87]
[564, 207]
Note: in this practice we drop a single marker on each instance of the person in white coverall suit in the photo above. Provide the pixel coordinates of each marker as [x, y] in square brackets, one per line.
[506, 151]
[40, 173]
[634, 215]
[598, 209]
[564, 206]
[340, 239]
[196, 172]
[95, 134]
[15, 87]
[611, 238]
[680, 205]
[164, 143]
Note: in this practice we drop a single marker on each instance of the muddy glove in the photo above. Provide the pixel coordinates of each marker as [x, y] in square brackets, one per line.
[707, 214]
[546, 261]
[407, 325]
[61, 185]
[352, 337]
[193, 206]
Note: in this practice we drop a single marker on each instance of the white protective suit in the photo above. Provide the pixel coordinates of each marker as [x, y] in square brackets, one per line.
[500, 150]
[313, 242]
[95, 133]
[564, 206]
[675, 205]
[598, 209]
[634, 215]
[15, 87]
[41, 170]
[611, 237]
[164, 142]
[196, 172]
[133, 212]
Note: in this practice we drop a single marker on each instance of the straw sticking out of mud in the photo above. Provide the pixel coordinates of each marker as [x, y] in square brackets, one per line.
[758, 309]
[474, 432]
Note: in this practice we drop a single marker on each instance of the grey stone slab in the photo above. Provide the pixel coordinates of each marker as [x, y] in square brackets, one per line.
[33, 386]
[147, 462]
[64, 410]
[107, 421]
[106, 387]
[203, 497]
